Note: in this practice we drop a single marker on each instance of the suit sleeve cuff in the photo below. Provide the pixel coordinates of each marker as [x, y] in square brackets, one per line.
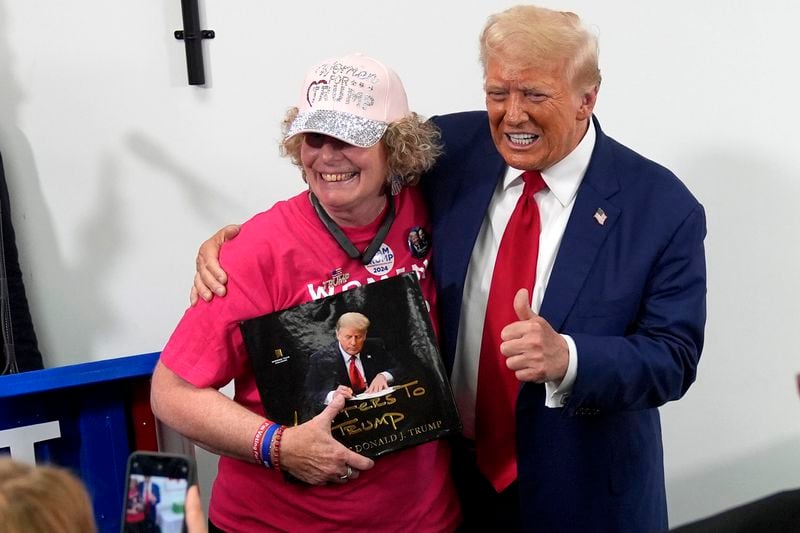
[557, 392]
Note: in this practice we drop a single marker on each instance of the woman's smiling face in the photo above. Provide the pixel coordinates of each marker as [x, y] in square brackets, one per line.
[348, 181]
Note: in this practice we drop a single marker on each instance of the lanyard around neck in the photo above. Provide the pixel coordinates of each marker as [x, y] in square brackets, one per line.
[337, 233]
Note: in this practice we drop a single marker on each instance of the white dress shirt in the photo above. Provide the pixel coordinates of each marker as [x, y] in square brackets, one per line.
[555, 205]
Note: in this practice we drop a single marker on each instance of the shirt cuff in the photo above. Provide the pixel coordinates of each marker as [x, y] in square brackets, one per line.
[557, 393]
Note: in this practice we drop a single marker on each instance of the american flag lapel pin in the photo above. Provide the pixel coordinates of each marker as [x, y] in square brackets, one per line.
[600, 216]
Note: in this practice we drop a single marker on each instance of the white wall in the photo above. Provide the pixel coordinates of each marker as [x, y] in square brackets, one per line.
[118, 170]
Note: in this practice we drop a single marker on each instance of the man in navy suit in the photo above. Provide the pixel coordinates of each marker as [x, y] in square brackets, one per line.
[613, 325]
[614, 328]
[352, 364]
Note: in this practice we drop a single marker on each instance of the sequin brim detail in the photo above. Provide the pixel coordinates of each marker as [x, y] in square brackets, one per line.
[351, 129]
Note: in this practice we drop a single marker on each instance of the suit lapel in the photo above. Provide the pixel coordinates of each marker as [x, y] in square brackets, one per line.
[466, 210]
[473, 196]
[368, 363]
[584, 234]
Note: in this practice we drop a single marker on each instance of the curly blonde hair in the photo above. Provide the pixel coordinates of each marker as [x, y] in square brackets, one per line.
[412, 146]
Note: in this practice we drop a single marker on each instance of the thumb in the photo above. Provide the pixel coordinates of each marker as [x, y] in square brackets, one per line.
[195, 519]
[357, 461]
[331, 410]
[522, 305]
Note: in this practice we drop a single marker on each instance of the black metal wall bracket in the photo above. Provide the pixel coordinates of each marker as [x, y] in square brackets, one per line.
[193, 36]
[204, 34]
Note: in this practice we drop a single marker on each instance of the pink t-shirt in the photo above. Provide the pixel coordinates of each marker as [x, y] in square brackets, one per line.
[281, 258]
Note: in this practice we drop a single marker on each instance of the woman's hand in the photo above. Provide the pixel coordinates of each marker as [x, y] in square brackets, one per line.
[311, 454]
[344, 391]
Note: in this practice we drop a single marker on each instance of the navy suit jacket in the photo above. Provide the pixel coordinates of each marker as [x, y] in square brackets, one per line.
[327, 369]
[631, 292]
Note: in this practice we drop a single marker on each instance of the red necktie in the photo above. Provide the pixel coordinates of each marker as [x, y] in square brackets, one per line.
[514, 269]
[355, 377]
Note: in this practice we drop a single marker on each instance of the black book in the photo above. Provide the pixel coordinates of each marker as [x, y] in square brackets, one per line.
[297, 362]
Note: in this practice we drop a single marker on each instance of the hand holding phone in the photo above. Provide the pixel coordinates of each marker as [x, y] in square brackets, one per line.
[195, 517]
[155, 492]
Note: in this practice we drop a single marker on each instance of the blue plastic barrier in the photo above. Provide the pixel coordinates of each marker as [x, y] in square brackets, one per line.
[83, 417]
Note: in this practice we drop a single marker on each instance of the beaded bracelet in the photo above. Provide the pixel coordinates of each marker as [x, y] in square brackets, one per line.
[266, 445]
[276, 448]
[258, 439]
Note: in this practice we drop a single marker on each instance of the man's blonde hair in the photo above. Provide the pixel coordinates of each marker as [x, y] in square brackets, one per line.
[525, 36]
[353, 320]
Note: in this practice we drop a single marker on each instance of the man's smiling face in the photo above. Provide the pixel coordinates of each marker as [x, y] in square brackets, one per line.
[536, 117]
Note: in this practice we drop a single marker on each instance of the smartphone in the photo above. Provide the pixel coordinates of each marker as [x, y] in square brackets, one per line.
[155, 491]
